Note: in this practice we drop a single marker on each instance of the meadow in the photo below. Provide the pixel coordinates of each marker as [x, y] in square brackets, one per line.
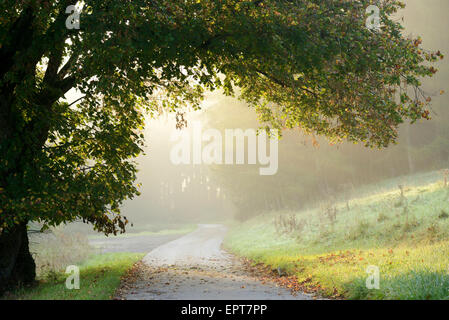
[400, 226]
[100, 276]
[100, 273]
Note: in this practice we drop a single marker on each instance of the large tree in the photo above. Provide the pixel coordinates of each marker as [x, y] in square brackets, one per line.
[301, 63]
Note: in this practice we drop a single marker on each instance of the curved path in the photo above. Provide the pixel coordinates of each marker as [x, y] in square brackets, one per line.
[195, 267]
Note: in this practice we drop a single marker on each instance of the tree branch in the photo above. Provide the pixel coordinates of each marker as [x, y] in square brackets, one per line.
[282, 83]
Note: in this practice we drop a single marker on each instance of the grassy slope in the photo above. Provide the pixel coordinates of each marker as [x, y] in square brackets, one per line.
[413, 257]
[99, 278]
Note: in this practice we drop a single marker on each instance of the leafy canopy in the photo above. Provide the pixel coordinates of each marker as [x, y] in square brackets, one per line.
[306, 63]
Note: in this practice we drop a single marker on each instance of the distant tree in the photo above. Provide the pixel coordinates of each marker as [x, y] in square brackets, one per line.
[307, 63]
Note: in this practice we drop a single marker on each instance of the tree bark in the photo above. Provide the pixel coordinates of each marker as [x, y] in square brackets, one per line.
[17, 266]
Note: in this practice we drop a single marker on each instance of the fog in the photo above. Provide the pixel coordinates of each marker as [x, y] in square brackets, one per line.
[226, 211]
[173, 193]
[310, 170]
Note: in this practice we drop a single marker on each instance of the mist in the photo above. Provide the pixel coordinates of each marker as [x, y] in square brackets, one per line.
[310, 168]
[227, 206]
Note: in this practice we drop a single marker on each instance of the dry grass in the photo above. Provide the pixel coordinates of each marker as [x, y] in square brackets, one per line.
[54, 251]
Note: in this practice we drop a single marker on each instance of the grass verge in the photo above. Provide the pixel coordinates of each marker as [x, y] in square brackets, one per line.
[404, 231]
[100, 277]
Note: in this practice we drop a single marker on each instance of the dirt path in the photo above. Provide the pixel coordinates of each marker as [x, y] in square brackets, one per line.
[195, 267]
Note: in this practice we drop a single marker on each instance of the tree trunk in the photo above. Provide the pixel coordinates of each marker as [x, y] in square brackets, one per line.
[17, 266]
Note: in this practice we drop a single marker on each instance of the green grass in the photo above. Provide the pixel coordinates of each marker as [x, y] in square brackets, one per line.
[411, 252]
[99, 273]
[99, 279]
